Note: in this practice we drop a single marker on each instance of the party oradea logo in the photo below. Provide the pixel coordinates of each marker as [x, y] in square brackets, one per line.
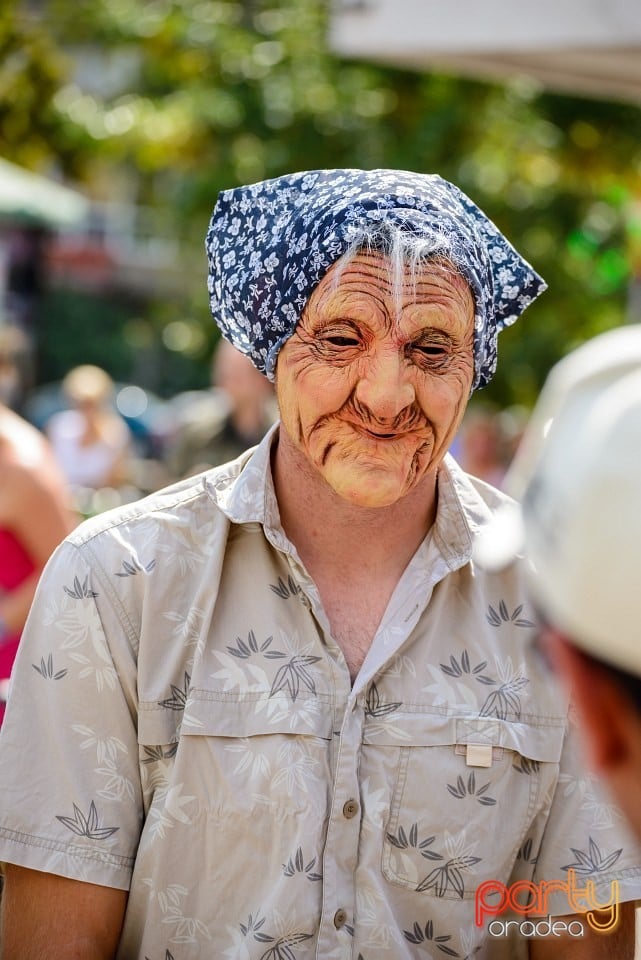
[526, 903]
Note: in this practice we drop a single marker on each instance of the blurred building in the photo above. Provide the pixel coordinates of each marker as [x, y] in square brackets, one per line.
[55, 238]
[82, 244]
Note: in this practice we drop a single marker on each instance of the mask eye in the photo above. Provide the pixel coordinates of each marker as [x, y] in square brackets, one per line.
[429, 353]
[342, 340]
[338, 341]
[433, 351]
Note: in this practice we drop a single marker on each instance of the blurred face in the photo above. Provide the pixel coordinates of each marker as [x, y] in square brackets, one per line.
[372, 387]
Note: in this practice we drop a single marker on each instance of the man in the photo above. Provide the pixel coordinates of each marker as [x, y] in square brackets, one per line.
[286, 715]
[217, 425]
[578, 471]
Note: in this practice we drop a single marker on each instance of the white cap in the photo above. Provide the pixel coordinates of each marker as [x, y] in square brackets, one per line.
[577, 474]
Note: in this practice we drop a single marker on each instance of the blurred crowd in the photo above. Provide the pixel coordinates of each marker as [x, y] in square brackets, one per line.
[488, 439]
[72, 449]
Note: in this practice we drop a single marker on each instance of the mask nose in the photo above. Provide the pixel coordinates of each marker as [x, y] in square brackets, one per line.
[385, 388]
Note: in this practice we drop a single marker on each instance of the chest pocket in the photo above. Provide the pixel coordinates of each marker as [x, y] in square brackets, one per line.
[453, 824]
[247, 754]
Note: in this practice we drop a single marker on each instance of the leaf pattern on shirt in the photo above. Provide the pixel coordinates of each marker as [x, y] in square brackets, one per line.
[133, 566]
[457, 668]
[179, 695]
[464, 788]
[506, 698]
[287, 590]
[80, 591]
[525, 852]
[422, 934]
[188, 625]
[254, 923]
[168, 955]
[79, 626]
[47, 671]
[159, 753]
[500, 703]
[168, 810]
[296, 864]
[497, 617]
[110, 752]
[292, 674]
[297, 766]
[281, 944]
[449, 875]
[603, 814]
[183, 551]
[107, 748]
[245, 649]
[86, 825]
[403, 839]
[377, 709]
[187, 929]
[467, 944]
[117, 786]
[526, 766]
[281, 950]
[592, 860]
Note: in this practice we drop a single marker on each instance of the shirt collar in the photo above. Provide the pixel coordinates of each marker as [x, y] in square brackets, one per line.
[244, 488]
[244, 492]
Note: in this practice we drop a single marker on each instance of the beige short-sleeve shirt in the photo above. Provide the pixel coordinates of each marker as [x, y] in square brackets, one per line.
[183, 725]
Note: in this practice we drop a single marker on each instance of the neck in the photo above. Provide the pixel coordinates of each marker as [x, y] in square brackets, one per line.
[329, 530]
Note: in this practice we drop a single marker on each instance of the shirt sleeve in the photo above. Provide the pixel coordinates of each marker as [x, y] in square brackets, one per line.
[71, 799]
[586, 837]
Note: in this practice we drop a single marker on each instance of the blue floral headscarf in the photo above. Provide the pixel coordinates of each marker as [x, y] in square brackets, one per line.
[269, 244]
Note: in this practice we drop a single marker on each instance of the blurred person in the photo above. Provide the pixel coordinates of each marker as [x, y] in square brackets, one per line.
[513, 421]
[90, 441]
[14, 350]
[35, 515]
[219, 425]
[480, 450]
[297, 719]
[578, 473]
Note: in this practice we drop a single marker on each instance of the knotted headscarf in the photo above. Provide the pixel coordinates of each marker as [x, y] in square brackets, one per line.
[269, 245]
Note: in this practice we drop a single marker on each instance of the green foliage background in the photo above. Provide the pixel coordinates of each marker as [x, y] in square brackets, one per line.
[212, 93]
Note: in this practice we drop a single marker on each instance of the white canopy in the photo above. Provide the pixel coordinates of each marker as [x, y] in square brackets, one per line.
[586, 47]
[27, 196]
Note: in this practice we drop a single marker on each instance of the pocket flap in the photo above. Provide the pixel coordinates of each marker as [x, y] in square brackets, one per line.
[251, 714]
[536, 742]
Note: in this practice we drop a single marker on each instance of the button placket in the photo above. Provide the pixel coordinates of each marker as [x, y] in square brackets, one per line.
[341, 851]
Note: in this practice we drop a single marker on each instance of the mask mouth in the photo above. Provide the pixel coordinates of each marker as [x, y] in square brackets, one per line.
[382, 436]
[386, 434]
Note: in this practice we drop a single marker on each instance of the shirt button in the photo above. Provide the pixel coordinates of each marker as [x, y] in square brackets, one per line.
[350, 809]
[340, 918]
